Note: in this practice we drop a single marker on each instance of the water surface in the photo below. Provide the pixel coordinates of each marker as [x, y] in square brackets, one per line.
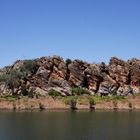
[66, 125]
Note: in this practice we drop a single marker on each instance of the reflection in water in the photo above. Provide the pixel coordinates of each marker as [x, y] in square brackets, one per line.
[69, 125]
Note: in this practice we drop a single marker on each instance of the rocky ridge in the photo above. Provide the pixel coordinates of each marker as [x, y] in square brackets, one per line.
[117, 78]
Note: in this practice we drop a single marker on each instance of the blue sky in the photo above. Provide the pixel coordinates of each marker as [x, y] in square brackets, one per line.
[92, 30]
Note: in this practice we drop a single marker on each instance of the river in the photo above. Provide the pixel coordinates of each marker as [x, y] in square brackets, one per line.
[70, 125]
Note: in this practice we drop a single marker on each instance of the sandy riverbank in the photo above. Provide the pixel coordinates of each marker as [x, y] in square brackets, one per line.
[49, 103]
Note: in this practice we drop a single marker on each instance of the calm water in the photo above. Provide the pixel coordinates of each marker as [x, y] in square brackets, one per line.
[69, 125]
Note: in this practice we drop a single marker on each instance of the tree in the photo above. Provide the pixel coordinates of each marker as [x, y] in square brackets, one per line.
[29, 67]
[73, 103]
[12, 80]
[68, 61]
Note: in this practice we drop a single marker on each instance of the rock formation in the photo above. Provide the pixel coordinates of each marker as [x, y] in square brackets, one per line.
[46, 73]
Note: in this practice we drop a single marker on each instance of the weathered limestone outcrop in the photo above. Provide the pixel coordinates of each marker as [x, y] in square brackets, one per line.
[46, 73]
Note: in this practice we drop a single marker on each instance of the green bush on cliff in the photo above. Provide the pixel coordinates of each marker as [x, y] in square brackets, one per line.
[79, 91]
[29, 67]
[11, 80]
[27, 91]
[68, 61]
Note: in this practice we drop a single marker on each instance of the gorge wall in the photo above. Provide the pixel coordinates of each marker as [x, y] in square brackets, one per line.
[118, 77]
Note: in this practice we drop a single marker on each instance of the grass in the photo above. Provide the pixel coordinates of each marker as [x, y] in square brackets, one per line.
[80, 91]
[109, 98]
[83, 100]
[90, 99]
[10, 98]
[53, 93]
[67, 99]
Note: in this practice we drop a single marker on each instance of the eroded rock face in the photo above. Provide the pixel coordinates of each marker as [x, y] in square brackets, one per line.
[119, 77]
[119, 71]
[76, 69]
[93, 77]
[108, 86]
[45, 67]
[17, 64]
[135, 72]
[52, 74]
[4, 90]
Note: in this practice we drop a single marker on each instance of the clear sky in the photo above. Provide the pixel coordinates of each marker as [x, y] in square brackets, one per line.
[92, 30]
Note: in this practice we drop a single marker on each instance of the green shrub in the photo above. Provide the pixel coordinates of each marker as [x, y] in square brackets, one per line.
[68, 61]
[53, 93]
[92, 101]
[11, 98]
[66, 99]
[73, 103]
[29, 67]
[83, 100]
[79, 91]
[119, 97]
[12, 80]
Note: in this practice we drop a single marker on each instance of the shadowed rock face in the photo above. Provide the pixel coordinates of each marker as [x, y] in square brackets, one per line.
[119, 77]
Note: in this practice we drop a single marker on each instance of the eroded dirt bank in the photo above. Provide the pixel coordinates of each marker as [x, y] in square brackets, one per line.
[66, 103]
